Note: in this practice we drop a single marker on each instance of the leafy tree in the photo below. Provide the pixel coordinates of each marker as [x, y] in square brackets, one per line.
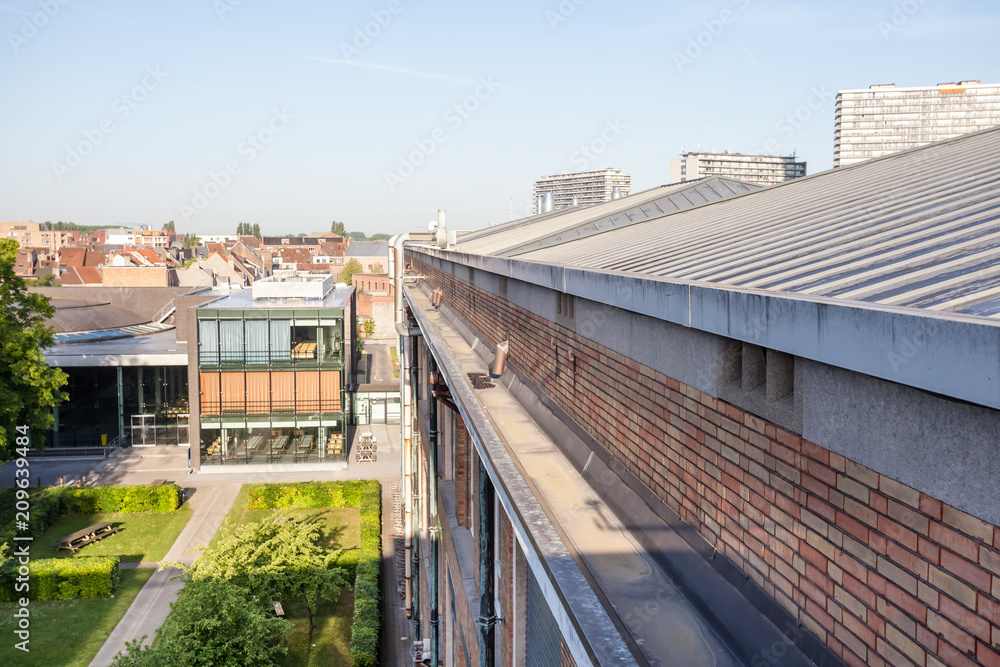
[355, 236]
[377, 268]
[379, 237]
[213, 623]
[47, 280]
[169, 227]
[369, 328]
[256, 230]
[350, 268]
[29, 387]
[338, 228]
[276, 558]
[192, 241]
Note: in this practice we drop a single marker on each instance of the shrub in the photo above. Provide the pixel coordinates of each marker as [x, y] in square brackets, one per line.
[63, 578]
[363, 563]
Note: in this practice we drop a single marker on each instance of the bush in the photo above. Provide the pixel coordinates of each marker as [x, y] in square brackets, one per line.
[63, 578]
[47, 504]
[363, 563]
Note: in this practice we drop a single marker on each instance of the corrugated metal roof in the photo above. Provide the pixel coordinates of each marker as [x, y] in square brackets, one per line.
[561, 226]
[367, 249]
[920, 229]
[74, 315]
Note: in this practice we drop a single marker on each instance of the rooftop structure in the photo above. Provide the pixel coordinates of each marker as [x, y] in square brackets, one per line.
[883, 119]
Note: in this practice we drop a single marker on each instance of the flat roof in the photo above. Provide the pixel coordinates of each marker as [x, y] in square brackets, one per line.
[243, 300]
[158, 349]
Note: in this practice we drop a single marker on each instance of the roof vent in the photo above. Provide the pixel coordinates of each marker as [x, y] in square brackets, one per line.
[548, 202]
[616, 193]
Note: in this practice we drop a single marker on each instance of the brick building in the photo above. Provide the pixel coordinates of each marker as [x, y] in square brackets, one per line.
[765, 434]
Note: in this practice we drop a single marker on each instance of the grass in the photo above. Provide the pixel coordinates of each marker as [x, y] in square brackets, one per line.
[144, 536]
[68, 632]
[394, 359]
[330, 642]
[340, 527]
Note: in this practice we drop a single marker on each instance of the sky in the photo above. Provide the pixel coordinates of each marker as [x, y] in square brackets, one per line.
[378, 113]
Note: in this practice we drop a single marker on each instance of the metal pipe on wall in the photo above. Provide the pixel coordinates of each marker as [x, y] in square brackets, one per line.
[487, 619]
[434, 528]
[416, 488]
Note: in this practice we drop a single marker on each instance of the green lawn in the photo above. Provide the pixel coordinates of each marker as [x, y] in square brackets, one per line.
[68, 632]
[144, 536]
[340, 526]
[330, 643]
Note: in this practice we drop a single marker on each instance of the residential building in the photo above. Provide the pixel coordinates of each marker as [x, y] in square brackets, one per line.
[271, 374]
[766, 434]
[761, 169]
[585, 188]
[883, 119]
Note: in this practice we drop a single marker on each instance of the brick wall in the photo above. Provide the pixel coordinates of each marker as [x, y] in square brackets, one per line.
[880, 572]
[462, 472]
[565, 657]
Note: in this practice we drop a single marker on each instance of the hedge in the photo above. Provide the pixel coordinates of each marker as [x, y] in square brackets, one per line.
[62, 578]
[47, 504]
[364, 562]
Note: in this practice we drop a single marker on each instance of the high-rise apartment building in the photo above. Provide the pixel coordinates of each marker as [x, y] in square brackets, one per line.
[761, 169]
[884, 119]
[587, 187]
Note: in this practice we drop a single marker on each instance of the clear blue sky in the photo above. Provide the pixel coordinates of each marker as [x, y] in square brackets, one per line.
[182, 85]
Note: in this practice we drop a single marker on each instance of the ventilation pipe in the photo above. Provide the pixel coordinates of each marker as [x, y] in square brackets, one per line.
[500, 360]
[548, 202]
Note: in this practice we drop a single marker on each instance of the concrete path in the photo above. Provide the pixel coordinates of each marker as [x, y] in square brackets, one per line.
[152, 604]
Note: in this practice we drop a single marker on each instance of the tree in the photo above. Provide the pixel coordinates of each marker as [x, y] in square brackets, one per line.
[29, 387]
[276, 558]
[355, 236]
[256, 230]
[369, 326]
[169, 227]
[379, 237]
[192, 241]
[213, 623]
[350, 268]
[46, 280]
[377, 268]
[338, 228]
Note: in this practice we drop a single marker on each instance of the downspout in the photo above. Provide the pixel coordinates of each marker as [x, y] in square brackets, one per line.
[486, 619]
[415, 466]
[406, 463]
[434, 528]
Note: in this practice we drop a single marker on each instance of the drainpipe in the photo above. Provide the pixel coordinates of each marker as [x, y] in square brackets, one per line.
[415, 466]
[486, 619]
[434, 528]
[396, 271]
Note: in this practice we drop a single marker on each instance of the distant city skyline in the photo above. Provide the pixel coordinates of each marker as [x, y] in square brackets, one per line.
[379, 113]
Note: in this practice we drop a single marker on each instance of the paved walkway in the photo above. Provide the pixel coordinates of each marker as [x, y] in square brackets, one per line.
[152, 604]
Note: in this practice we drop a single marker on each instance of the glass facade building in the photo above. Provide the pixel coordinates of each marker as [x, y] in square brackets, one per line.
[273, 375]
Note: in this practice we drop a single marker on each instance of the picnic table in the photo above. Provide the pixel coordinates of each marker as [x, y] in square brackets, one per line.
[88, 535]
[366, 449]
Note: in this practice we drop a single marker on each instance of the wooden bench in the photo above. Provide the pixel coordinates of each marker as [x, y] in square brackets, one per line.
[88, 535]
[278, 611]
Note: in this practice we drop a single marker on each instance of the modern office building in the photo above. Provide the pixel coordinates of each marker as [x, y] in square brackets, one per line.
[713, 424]
[272, 373]
[586, 188]
[760, 169]
[883, 119]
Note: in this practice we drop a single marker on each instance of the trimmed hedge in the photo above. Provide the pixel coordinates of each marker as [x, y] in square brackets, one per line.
[47, 504]
[63, 578]
[363, 562]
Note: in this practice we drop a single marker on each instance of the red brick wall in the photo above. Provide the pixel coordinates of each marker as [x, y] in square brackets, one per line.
[462, 472]
[882, 573]
[565, 657]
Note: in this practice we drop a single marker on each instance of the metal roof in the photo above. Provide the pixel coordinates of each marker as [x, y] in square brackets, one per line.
[367, 249]
[919, 228]
[75, 315]
[569, 224]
